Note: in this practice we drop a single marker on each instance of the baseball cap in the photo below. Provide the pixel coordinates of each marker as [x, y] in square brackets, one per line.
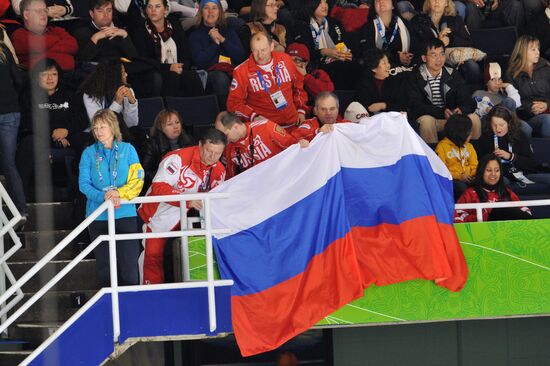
[298, 50]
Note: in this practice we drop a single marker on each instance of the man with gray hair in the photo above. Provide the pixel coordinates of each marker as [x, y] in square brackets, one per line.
[38, 40]
[326, 115]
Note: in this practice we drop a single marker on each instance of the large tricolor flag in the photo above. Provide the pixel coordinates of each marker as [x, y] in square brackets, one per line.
[365, 204]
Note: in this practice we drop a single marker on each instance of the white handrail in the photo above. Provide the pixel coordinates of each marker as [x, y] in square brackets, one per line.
[6, 227]
[503, 204]
[112, 237]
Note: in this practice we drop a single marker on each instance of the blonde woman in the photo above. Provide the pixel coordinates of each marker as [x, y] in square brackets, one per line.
[530, 75]
[9, 124]
[110, 170]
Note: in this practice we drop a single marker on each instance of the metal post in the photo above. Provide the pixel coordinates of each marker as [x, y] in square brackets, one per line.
[2, 276]
[113, 270]
[479, 214]
[184, 241]
[210, 266]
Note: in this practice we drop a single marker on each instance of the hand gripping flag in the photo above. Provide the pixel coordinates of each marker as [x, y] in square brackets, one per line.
[312, 228]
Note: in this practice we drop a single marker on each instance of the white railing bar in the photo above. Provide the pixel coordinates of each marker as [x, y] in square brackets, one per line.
[170, 234]
[470, 206]
[2, 276]
[52, 253]
[16, 241]
[16, 287]
[53, 281]
[113, 271]
[184, 225]
[173, 286]
[210, 267]
[19, 293]
[175, 198]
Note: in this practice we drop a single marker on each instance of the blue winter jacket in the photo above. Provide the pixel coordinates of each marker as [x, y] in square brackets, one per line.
[102, 169]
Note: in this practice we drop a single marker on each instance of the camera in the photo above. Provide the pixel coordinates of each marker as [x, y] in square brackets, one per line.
[487, 7]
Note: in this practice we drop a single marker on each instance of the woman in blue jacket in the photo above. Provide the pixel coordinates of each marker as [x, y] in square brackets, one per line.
[215, 48]
[110, 170]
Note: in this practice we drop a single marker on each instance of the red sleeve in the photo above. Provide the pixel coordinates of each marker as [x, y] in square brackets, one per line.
[514, 197]
[20, 43]
[307, 130]
[66, 44]
[229, 166]
[279, 136]
[238, 93]
[469, 196]
[318, 81]
[299, 95]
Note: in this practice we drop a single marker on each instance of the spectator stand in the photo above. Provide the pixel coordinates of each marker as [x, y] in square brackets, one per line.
[148, 108]
[345, 97]
[198, 113]
[497, 43]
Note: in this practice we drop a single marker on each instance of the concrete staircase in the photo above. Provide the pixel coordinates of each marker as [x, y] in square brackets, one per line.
[48, 224]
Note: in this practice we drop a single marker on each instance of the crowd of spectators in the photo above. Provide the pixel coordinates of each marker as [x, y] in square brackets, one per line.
[273, 66]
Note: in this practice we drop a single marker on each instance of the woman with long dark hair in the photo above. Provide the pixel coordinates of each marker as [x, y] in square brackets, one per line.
[502, 136]
[386, 30]
[328, 44]
[162, 41]
[489, 186]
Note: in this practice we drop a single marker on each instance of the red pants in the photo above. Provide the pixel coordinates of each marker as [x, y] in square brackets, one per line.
[153, 263]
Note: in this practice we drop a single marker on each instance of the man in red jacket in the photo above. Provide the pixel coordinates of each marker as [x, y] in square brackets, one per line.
[37, 41]
[188, 170]
[267, 85]
[315, 81]
[326, 115]
[251, 142]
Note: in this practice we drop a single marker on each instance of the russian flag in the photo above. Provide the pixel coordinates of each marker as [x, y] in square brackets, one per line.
[312, 228]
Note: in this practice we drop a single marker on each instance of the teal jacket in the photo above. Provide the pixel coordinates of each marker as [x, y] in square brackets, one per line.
[102, 169]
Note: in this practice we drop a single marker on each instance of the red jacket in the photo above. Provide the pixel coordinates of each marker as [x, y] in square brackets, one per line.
[309, 128]
[180, 171]
[317, 81]
[247, 97]
[470, 196]
[268, 138]
[54, 43]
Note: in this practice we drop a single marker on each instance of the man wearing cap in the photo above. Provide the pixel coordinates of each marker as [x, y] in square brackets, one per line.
[267, 85]
[326, 115]
[250, 143]
[315, 81]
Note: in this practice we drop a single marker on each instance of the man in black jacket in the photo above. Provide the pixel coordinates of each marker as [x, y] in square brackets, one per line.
[436, 92]
[101, 38]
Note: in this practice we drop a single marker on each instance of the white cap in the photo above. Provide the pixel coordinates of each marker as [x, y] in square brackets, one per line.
[355, 111]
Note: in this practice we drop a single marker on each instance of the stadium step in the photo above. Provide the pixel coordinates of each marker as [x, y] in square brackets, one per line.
[13, 358]
[50, 216]
[34, 332]
[81, 277]
[37, 243]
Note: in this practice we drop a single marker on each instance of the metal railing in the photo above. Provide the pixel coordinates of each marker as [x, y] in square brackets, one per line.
[6, 227]
[480, 206]
[112, 237]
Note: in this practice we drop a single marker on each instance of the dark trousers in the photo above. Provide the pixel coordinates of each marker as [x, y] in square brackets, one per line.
[127, 252]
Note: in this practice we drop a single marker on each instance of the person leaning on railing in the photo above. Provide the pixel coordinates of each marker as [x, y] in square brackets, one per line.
[110, 170]
[489, 186]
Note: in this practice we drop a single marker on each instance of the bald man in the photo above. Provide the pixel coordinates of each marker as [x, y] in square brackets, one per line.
[267, 85]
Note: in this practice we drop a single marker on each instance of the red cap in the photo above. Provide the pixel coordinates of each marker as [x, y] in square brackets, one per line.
[298, 50]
